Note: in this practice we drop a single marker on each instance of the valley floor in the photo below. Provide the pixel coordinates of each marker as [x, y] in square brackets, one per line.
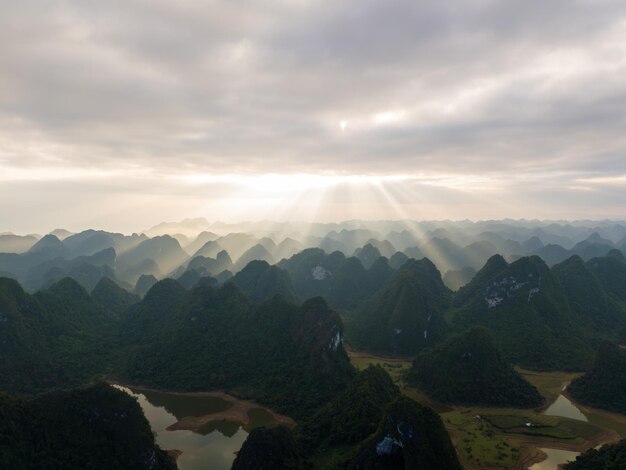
[509, 438]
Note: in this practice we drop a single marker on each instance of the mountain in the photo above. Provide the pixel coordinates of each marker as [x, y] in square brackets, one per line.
[260, 281]
[287, 248]
[454, 279]
[10, 243]
[409, 436]
[351, 282]
[587, 249]
[144, 267]
[405, 315]
[236, 244]
[96, 427]
[216, 339]
[211, 266]
[552, 253]
[202, 239]
[493, 267]
[525, 308]
[367, 255]
[144, 284]
[531, 245]
[351, 239]
[89, 242]
[61, 233]
[269, 449]
[164, 250]
[476, 254]
[596, 310]
[604, 386]
[48, 243]
[331, 436]
[352, 416]
[209, 250]
[611, 271]
[144, 321]
[311, 271]
[413, 252]
[330, 245]
[86, 270]
[398, 259]
[344, 282]
[112, 297]
[469, 370]
[607, 457]
[444, 253]
[256, 253]
[384, 246]
[57, 337]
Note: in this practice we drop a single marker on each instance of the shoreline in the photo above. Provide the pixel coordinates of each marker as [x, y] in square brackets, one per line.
[237, 412]
[612, 415]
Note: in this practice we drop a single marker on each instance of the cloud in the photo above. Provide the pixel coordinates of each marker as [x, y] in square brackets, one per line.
[480, 89]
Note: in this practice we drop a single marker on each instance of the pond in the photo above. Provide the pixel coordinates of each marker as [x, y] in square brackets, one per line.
[564, 407]
[211, 447]
[555, 457]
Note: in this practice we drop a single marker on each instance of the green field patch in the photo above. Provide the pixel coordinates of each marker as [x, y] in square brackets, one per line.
[549, 384]
[478, 442]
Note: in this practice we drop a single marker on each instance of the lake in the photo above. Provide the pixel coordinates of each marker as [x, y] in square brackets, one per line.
[211, 447]
[564, 407]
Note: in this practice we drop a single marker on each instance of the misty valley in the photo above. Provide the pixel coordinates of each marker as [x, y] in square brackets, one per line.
[355, 345]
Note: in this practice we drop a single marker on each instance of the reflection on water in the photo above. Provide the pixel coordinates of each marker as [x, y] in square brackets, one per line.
[555, 457]
[213, 447]
[186, 405]
[563, 407]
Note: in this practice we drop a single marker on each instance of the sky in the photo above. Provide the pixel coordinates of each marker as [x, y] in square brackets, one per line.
[125, 113]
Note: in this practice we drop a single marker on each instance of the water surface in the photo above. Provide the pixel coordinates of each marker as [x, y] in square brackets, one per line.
[564, 407]
[555, 457]
[212, 447]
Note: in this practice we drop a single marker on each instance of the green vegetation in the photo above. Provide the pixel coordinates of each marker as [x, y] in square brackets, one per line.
[112, 297]
[525, 308]
[368, 414]
[611, 270]
[595, 310]
[214, 338]
[549, 384]
[350, 417]
[604, 386]
[406, 315]
[468, 370]
[343, 282]
[409, 436]
[260, 281]
[97, 427]
[499, 437]
[59, 337]
[269, 449]
[608, 457]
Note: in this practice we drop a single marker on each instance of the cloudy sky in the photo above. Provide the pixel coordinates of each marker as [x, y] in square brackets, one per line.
[124, 113]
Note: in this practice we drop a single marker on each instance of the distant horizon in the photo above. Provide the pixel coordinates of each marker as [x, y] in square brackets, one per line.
[224, 224]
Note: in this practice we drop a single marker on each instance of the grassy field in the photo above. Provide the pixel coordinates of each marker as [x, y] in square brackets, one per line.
[490, 438]
[549, 384]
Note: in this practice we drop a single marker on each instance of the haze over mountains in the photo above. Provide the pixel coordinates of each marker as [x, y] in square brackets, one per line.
[458, 249]
[270, 316]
